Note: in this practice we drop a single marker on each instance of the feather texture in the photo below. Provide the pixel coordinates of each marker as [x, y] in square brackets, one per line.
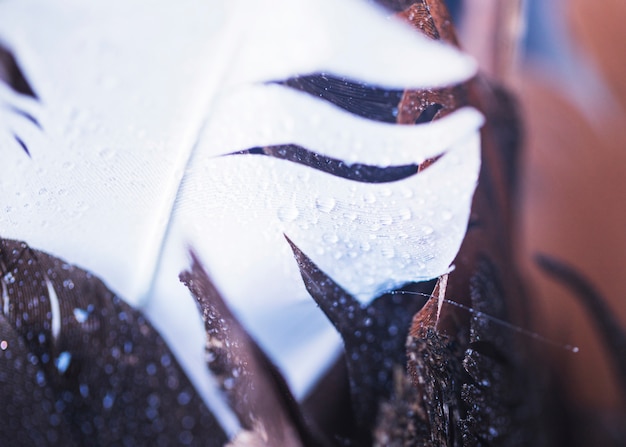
[149, 184]
[148, 145]
[81, 367]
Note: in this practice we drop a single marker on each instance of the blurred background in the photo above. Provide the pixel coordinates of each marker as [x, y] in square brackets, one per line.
[564, 60]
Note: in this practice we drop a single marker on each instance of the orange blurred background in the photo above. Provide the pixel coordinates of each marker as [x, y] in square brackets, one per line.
[566, 63]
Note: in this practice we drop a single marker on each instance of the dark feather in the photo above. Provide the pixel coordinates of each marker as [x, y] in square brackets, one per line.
[78, 366]
[356, 171]
[22, 144]
[608, 326]
[374, 336]
[379, 104]
[360, 99]
[11, 73]
[256, 390]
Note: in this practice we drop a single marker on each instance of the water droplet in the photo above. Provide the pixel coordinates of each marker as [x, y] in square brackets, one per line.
[81, 315]
[166, 360]
[84, 389]
[108, 400]
[365, 246]
[68, 284]
[288, 213]
[446, 215]
[151, 369]
[184, 397]
[325, 204]
[62, 362]
[405, 214]
[9, 278]
[4, 345]
[369, 198]
[40, 378]
[427, 230]
[350, 216]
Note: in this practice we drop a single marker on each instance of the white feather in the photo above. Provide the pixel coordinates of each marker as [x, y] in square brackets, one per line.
[137, 98]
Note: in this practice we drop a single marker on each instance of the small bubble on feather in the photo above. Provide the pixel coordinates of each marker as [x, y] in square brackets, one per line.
[62, 362]
[405, 214]
[325, 204]
[369, 198]
[166, 360]
[83, 389]
[183, 398]
[8, 278]
[81, 315]
[288, 213]
[108, 400]
[151, 369]
[40, 378]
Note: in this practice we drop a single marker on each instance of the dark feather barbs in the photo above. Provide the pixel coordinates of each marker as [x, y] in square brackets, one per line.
[12, 76]
[78, 366]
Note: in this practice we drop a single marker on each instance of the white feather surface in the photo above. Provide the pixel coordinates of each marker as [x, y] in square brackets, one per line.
[138, 100]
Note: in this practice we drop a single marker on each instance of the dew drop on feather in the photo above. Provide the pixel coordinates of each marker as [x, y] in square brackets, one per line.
[81, 315]
[288, 214]
[325, 204]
